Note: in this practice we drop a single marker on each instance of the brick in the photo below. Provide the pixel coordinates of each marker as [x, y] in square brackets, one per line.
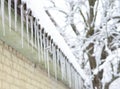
[6, 69]
[9, 78]
[5, 85]
[22, 77]
[22, 84]
[21, 69]
[7, 53]
[15, 59]
[7, 62]
[2, 75]
[15, 73]
[13, 87]
[16, 66]
[0, 84]
[1, 48]
[16, 82]
[21, 62]
[1, 67]
[1, 58]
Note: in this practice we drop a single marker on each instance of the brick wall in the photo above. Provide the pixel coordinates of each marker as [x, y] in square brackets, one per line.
[17, 72]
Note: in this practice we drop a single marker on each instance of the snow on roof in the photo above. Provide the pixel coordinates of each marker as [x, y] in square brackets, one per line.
[44, 20]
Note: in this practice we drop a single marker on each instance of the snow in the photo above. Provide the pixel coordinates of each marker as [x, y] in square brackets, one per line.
[115, 84]
[38, 11]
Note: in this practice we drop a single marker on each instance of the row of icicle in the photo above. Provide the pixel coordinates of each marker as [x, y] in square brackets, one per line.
[36, 37]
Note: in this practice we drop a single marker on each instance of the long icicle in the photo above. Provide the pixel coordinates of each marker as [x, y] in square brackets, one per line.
[63, 68]
[41, 46]
[27, 29]
[61, 61]
[70, 75]
[43, 34]
[66, 67]
[9, 13]
[3, 18]
[35, 27]
[54, 58]
[58, 58]
[22, 34]
[38, 42]
[15, 6]
[31, 19]
[47, 48]
[74, 79]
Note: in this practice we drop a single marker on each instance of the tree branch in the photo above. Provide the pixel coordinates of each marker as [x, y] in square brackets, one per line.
[85, 21]
[51, 18]
[96, 11]
[115, 17]
[75, 29]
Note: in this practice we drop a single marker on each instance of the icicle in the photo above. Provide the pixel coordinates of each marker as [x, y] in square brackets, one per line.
[9, 13]
[44, 50]
[61, 61]
[27, 29]
[75, 80]
[15, 6]
[64, 68]
[65, 78]
[67, 71]
[35, 27]
[41, 46]
[3, 17]
[78, 81]
[58, 57]
[47, 59]
[54, 58]
[66, 65]
[31, 20]
[22, 33]
[38, 41]
[69, 75]
[72, 77]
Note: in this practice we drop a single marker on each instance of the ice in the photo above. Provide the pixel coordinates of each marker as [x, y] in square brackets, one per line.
[44, 50]
[15, 5]
[38, 43]
[47, 57]
[22, 31]
[3, 17]
[54, 62]
[41, 45]
[35, 27]
[9, 13]
[27, 28]
[31, 24]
